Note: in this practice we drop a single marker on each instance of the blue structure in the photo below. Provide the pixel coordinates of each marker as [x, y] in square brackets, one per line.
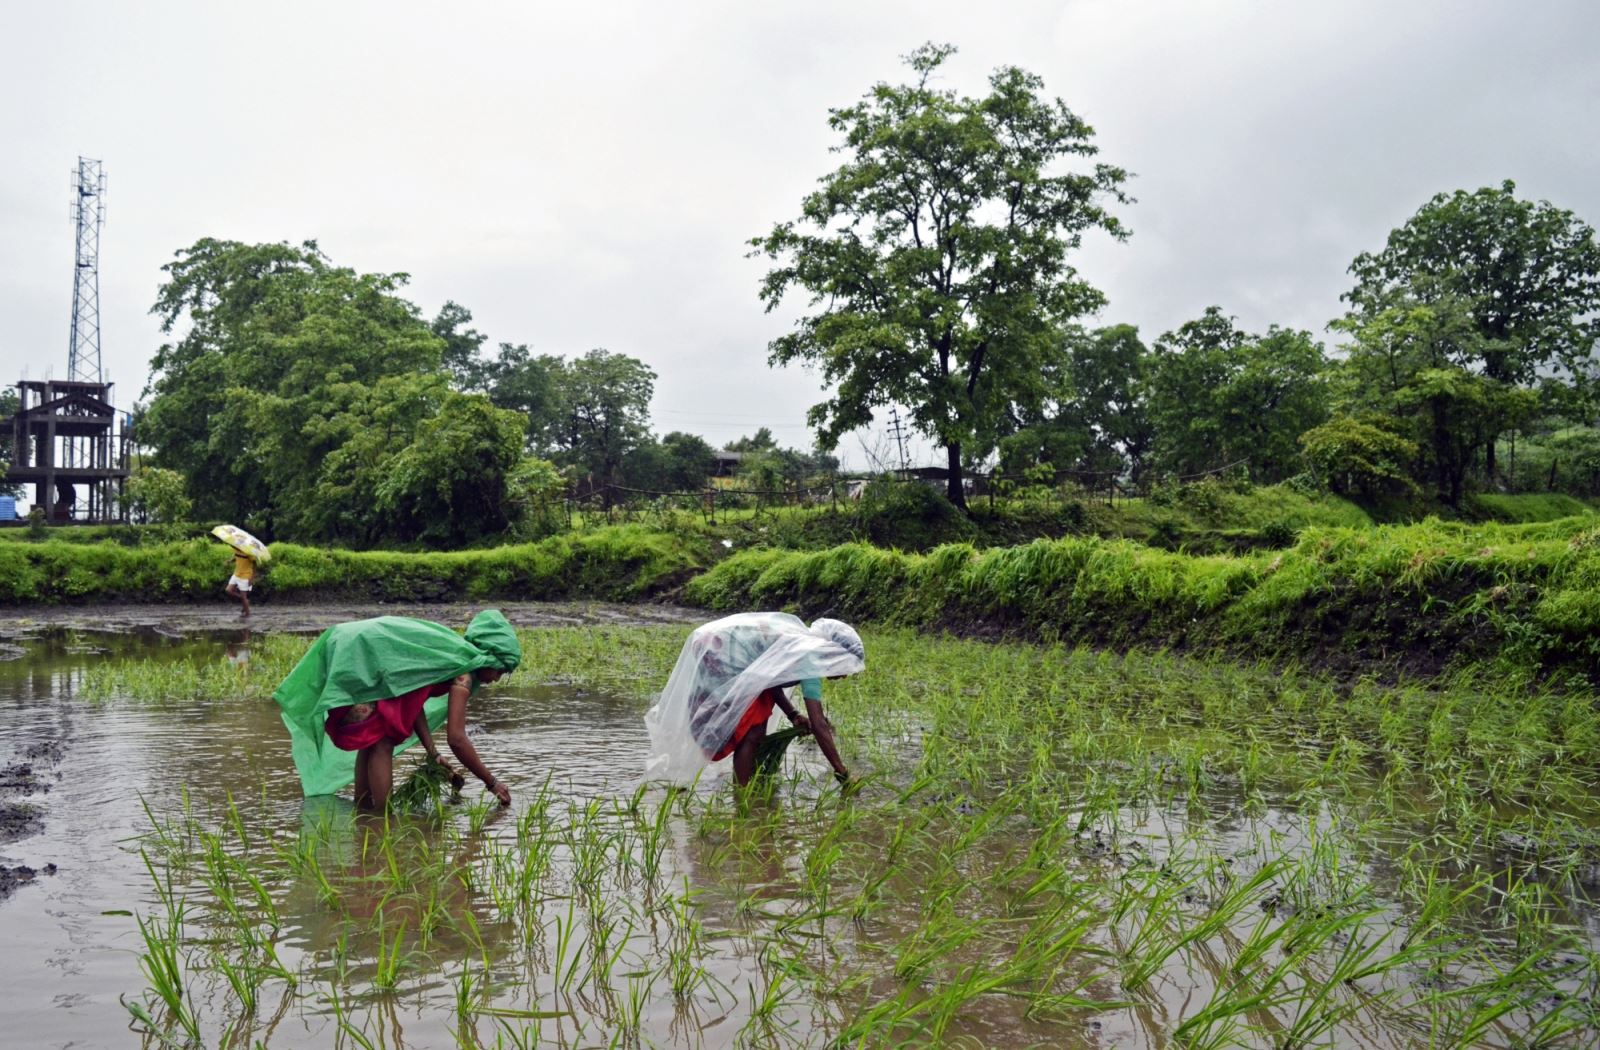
[8, 508]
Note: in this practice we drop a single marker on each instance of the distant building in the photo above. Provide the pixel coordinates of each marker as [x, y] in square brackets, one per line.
[65, 442]
[725, 464]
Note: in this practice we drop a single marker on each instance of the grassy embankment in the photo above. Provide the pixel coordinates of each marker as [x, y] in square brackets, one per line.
[615, 563]
[1416, 597]
[1413, 598]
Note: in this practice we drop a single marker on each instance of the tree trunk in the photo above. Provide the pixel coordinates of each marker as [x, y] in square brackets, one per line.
[1488, 462]
[956, 492]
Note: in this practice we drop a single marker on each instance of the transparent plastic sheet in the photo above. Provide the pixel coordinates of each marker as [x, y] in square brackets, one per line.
[722, 668]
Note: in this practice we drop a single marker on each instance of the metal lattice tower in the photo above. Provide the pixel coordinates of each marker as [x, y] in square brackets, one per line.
[88, 213]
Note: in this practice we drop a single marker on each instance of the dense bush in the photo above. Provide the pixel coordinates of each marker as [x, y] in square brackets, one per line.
[909, 516]
[1366, 458]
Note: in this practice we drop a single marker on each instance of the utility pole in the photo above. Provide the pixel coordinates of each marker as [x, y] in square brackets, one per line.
[897, 429]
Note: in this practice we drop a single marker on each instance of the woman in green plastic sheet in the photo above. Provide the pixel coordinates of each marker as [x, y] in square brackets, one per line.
[369, 688]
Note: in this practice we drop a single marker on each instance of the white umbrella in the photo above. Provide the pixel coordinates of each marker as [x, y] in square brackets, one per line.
[242, 542]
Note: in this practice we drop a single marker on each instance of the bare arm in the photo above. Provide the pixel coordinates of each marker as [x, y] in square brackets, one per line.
[425, 735]
[823, 730]
[461, 744]
[799, 720]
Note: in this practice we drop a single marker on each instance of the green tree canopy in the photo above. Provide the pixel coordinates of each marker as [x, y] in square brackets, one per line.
[1220, 395]
[267, 322]
[462, 353]
[154, 494]
[518, 380]
[1366, 457]
[314, 402]
[935, 256]
[686, 461]
[1109, 374]
[1526, 275]
[762, 440]
[1412, 361]
[9, 403]
[1098, 420]
[603, 412]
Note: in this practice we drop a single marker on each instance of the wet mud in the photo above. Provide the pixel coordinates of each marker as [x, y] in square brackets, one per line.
[182, 621]
[21, 780]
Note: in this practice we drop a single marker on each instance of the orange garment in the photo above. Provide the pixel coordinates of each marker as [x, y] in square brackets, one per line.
[244, 568]
[756, 714]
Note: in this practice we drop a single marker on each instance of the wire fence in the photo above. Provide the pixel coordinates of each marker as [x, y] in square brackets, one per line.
[626, 502]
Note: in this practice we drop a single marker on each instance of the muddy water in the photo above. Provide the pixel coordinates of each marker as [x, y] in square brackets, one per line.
[72, 943]
[75, 944]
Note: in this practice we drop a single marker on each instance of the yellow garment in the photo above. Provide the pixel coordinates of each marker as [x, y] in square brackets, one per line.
[244, 568]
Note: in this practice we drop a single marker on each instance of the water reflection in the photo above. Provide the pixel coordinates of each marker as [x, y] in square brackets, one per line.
[237, 649]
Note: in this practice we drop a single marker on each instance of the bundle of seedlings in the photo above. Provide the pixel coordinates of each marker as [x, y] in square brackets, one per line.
[769, 755]
[430, 785]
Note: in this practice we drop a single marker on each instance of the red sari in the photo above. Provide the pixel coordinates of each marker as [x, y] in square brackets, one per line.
[756, 714]
[393, 720]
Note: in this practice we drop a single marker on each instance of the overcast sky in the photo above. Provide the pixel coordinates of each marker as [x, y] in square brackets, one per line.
[587, 175]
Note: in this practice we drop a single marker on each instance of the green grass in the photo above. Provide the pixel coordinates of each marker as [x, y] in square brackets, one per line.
[1393, 598]
[617, 562]
[1525, 507]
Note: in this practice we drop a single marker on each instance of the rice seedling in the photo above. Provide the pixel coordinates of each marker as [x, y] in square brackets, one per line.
[428, 787]
[1187, 851]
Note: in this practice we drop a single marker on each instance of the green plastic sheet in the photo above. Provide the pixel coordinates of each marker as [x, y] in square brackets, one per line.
[364, 661]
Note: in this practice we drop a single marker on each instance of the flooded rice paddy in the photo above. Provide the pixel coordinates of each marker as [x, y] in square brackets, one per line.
[1048, 848]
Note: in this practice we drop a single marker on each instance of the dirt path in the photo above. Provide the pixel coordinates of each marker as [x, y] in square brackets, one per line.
[308, 618]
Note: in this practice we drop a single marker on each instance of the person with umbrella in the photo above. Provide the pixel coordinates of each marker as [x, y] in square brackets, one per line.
[247, 551]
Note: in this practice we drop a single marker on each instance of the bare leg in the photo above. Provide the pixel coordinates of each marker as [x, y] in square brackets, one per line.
[380, 773]
[363, 788]
[744, 754]
[244, 599]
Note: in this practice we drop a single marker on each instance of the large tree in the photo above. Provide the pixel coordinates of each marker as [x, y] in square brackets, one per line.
[314, 402]
[1220, 395]
[519, 380]
[1108, 374]
[1413, 362]
[266, 323]
[935, 256]
[1526, 273]
[462, 354]
[603, 413]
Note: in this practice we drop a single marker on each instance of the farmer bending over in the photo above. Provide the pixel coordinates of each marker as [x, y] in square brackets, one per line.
[730, 675]
[374, 687]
